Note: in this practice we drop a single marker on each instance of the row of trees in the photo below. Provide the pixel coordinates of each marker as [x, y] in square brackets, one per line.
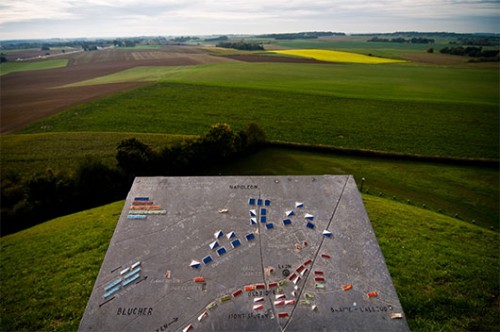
[414, 40]
[26, 202]
[471, 51]
[483, 41]
[241, 45]
[301, 35]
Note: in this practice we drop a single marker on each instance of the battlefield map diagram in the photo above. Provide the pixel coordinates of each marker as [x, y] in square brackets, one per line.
[244, 253]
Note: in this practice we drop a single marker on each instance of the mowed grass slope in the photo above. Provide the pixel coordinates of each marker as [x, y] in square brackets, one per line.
[445, 272]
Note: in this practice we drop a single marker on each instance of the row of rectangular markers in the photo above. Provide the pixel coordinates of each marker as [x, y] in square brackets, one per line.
[127, 276]
[142, 207]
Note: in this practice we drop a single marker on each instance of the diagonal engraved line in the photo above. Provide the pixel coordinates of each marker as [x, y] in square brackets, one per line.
[316, 254]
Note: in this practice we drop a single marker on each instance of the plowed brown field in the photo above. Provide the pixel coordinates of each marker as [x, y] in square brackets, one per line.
[33, 95]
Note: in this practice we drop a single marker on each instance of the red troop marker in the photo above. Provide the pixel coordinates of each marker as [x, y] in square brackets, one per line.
[318, 273]
[282, 314]
[272, 285]
[260, 286]
[238, 292]
[309, 261]
[326, 256]
[319, 279]
[347, 287]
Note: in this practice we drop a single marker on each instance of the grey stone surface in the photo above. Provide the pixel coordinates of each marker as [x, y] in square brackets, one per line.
[313, 264]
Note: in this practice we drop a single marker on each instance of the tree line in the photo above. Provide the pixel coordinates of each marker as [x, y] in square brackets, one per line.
[241, 45]
[301, 35]
[414, 40]
[472, 51]
[27, 202]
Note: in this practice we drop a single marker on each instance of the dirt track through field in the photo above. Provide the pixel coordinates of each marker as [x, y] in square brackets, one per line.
[30, 96]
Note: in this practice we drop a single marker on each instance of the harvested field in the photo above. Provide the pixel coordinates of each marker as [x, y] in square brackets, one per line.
[436, 58]
[31, 96]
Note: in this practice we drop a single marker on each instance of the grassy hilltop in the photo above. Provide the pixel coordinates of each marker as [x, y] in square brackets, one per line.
[445, 269]
[442, 284]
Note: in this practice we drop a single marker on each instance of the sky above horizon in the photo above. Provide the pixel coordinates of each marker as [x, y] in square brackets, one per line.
[33, 19]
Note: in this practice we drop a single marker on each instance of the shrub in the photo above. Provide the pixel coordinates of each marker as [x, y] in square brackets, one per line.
[135, 158]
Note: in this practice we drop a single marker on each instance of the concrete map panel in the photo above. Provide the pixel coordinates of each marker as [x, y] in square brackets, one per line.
[263, 253]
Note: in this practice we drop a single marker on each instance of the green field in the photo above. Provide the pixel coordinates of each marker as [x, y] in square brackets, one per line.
[413, 127]
[11, 67]
[445, 271]
[401, 82]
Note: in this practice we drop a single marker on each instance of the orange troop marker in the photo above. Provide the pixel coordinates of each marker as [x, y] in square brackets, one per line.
[372, 294]
[199, 279]
[347, 287]
[249, 288]
[142, 203]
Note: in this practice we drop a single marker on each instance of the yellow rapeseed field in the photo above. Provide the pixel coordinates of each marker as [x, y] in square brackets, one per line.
[336, 56]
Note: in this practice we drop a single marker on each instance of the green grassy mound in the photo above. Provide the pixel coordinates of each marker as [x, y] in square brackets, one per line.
[445, 271]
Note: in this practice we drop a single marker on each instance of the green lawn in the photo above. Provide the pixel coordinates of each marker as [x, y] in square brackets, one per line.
[11, 67]
[445, 271]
